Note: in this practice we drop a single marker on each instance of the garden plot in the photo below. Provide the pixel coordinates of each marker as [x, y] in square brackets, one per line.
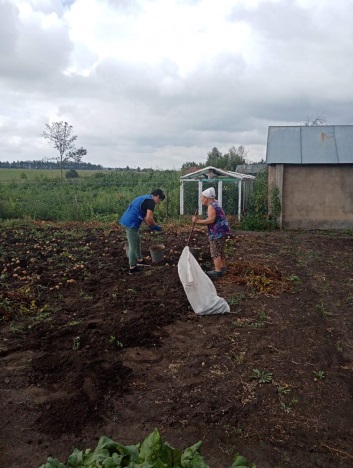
[87, 350]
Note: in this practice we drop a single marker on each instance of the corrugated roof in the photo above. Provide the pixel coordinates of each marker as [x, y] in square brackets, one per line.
[328, 144]
[253, 168]
[203, 173]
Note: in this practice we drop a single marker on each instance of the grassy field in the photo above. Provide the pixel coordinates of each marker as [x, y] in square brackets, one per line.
[36, 194]
[94, 196]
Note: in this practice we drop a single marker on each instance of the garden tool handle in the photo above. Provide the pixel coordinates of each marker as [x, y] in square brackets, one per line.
[193, 225]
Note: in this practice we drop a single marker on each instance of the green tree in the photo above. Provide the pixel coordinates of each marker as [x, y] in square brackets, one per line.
[60, 134]
[215, 158]
[228, 161]
[234, 157]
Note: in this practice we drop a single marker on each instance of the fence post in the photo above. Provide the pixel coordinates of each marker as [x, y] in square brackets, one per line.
[239, 199]
[220, 192]
[199, 200]
[181, 209]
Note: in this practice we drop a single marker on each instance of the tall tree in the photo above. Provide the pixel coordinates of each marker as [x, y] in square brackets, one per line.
[215, 158]
[234, 157]
[60, 134]
[228, 161]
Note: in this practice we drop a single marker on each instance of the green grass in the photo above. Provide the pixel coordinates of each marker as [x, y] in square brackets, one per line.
[103, 196]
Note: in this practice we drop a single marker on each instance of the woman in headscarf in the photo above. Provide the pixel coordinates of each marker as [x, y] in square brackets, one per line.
[218, 229]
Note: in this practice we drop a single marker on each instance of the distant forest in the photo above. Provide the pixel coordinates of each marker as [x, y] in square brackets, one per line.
[83, 166]
[50, 165]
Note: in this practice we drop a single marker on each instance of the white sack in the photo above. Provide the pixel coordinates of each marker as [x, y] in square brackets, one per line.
[198, 287]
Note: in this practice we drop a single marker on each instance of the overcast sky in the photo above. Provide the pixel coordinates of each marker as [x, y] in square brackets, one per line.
[157, 83]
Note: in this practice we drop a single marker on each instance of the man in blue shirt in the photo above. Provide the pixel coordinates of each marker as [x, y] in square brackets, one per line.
[140, 209]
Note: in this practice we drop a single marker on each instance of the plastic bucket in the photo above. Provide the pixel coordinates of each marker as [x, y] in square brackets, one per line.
[157, 252]
[196, 252]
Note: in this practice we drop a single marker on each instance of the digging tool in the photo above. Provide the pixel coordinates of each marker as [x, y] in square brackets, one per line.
[192, 229]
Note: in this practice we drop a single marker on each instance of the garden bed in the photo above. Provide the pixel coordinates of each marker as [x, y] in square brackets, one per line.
[87, 350]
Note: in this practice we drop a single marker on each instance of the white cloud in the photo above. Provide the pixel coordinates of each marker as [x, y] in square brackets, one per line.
[158, 83]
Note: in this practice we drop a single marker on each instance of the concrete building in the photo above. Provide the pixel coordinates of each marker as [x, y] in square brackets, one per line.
[313, 170]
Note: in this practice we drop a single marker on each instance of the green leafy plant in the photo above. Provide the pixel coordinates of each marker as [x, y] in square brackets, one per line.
[238, 358]
[262, 376]
[319, 375]
[263, 316]
[112, 340]
[236, 299]
[322, 309]
[339, 347]
[241, 462]
[151, 453]
[294, 279]
[287, 407]
[283, 390]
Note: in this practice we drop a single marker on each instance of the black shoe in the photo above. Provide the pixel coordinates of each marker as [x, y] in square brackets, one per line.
[214, 274]
[132, 271]
[224, 270]
[141, 262]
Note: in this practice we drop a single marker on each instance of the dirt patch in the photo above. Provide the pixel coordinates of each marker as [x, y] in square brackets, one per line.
[87, 350]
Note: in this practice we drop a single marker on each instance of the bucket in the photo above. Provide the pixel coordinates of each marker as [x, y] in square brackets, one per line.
[157, 252]
[196, 252]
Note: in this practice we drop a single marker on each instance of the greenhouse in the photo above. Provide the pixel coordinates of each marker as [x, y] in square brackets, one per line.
[233, 190]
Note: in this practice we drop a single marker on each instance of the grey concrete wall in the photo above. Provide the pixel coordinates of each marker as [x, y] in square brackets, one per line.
[316, 196]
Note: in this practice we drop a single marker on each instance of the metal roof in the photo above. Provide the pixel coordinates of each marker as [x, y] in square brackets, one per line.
[203, 173]
[252, 168]
[328, 144]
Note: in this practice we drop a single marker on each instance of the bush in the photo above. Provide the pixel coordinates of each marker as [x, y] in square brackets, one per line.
[258, 217]
[256, 222]
[72, 174]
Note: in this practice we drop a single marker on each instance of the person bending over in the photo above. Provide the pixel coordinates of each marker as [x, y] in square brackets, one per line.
[140, 210]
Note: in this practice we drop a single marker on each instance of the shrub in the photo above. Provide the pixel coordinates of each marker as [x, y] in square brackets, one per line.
[71, 174]
[258, 217]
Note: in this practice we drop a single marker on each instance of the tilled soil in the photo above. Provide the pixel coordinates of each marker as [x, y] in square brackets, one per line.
[87, 350]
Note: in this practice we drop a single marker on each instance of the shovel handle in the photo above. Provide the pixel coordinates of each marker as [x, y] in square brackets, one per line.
[193, 225]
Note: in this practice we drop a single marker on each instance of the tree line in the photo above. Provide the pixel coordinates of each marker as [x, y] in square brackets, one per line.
[43, 164]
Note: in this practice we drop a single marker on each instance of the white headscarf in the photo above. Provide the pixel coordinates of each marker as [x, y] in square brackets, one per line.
[209, 193]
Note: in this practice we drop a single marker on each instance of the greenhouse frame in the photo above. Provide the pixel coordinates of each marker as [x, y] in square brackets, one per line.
[237, 184]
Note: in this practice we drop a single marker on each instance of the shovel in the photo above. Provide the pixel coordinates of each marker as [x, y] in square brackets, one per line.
[192, 229]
